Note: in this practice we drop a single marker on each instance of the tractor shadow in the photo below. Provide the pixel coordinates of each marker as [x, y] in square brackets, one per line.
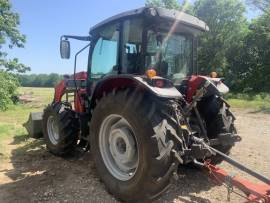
[192, 180]
[38, 176]
[32, 174]
[18, 139]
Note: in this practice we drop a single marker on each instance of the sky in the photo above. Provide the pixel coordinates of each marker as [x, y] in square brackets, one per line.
[43, 22]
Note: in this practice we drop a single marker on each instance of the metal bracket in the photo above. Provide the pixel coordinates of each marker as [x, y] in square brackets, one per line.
[228, 181]
[225, 139]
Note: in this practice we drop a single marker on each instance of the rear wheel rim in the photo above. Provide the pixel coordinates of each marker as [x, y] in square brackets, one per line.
[53, 130]
[118, 147]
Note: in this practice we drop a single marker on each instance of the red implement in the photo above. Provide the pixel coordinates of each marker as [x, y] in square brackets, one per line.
[254, 192]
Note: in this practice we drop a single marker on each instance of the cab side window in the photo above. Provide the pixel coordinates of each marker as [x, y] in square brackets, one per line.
[105, 52]
[132, 45]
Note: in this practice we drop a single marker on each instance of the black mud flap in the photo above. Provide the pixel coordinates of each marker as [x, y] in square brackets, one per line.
[34, 125]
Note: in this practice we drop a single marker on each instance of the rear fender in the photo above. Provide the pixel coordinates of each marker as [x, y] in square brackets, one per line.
[222, 88]
[216, 87]
[109, 83]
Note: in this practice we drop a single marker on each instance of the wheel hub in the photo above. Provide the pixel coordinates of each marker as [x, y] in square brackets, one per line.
[53, 131]
[118, 147]
[122, 147]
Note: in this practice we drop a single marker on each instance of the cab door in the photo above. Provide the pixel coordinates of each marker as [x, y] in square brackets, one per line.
[104, 53]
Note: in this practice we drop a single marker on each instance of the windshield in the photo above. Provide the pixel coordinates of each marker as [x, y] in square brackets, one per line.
[169, 54]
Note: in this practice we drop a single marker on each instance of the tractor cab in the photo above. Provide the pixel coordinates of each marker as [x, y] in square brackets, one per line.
[147, 38]
[141, 39]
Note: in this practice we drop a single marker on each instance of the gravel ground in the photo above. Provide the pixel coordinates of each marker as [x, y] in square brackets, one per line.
[34, 175]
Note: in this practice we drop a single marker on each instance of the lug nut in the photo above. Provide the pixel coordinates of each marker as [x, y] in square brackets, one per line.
[175, 176]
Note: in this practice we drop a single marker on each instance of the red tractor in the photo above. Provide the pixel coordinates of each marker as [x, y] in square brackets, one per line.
[141, 108]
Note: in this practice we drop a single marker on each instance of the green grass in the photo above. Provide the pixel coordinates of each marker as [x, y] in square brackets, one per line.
[260, 102]
[11, 129]
[5, 130]
[17, 114]
[45, 95]
[10, 135]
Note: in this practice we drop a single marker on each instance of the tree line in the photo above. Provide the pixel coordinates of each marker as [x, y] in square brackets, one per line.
[39, 80]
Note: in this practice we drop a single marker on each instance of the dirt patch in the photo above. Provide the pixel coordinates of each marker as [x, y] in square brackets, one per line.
[31, 174]
[30, 99]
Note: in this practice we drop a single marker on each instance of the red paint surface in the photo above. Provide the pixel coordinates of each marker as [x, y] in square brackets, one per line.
[61, 87]
[194, 82]
[59, 90]
[254, 191]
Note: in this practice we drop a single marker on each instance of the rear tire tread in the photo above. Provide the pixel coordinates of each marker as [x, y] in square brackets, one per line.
[160, 145]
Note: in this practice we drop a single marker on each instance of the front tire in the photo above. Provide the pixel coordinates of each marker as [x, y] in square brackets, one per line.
[139, 124]
[60, 129]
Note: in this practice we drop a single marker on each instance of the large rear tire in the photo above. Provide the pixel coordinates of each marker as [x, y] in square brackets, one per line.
[223, 122]
[130, 145]
[60, 129]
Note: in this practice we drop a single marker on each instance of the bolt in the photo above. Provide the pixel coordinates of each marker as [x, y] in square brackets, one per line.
[175, 176]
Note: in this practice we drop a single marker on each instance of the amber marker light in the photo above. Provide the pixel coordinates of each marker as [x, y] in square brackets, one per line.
[213, 74]
[150, 73]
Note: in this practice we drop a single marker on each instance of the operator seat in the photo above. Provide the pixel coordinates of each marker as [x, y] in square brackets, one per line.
[162, 68]
[132, 63]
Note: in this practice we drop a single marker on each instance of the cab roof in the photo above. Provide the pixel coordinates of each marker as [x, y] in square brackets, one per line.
[167, 14]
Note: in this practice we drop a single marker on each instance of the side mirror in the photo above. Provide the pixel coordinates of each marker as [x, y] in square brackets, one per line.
[65, 49]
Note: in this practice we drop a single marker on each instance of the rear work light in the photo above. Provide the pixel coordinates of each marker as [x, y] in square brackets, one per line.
[150, 73]
[159, 83]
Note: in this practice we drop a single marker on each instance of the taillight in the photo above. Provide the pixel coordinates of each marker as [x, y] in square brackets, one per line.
[159, 83]
[150, 73]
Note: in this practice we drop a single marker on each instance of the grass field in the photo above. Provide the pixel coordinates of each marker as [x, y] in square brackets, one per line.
[258, 102]
[11, 120]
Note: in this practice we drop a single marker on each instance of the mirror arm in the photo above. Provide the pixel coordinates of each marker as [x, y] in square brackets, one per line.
[195, 56]
[75, 67]
[81, 38]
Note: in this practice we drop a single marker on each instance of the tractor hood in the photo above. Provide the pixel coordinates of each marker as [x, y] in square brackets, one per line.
[153, 13]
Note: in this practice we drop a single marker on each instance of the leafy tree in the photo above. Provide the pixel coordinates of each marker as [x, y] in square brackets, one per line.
[263, 5]
[8, 84]
[256, 54]
[227, 24]
[52, 80]
[171, 4]
[39, 80]
[11, 36]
